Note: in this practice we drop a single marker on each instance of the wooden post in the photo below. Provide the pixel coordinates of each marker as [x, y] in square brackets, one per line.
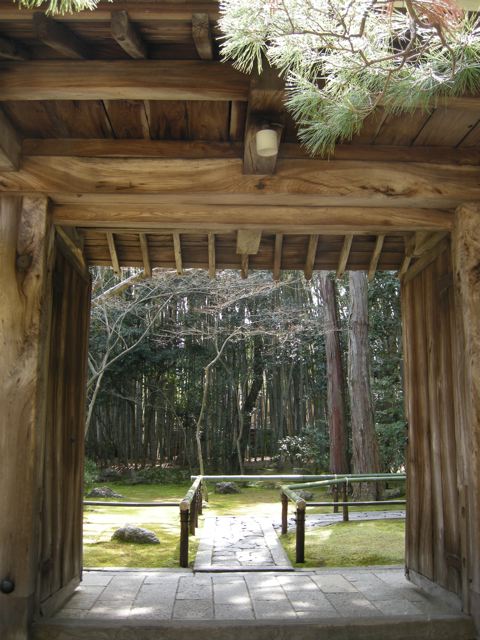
[345, 499]
[184, 518]
[300, 536]
[193, 509]
[284, 514]
[200, 499]
[26, 261]
[335, 497]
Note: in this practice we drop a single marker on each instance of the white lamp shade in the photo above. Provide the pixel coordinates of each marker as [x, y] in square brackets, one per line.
[267, 143]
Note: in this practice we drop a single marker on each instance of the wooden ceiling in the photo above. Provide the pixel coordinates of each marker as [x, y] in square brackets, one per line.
[144, 142]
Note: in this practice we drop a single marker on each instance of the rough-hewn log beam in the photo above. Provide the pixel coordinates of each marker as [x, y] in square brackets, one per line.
[277, 256]
[121, 79]
[332, 220]
[177, 250]
[113, 254]
[375, 256]
[296, 182]
[202, 35]
[59, 37]
[12, 50]
[147, 267]
[10, 145]
[129, 148]
[344, 255]
[311, 254]
[127, 36]
[211, 256]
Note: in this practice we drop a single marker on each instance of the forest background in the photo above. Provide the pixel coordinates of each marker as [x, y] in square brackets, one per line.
[189, 373]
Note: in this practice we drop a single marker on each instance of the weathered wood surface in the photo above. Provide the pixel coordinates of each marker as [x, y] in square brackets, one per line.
[433, 514]
[127, 36]
[26, 254]
[466, 258]
[10, 145]
[121, 79]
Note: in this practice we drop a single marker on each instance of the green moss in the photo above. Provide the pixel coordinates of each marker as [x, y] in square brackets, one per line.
[351, 544]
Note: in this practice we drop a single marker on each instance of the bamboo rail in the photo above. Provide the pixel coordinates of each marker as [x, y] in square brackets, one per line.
[190, 508]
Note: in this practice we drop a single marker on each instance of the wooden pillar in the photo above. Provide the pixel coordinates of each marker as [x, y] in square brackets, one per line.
[466, 268]
[26, 255]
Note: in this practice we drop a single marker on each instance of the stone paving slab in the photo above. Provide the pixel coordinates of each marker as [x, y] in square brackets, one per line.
[376, 592]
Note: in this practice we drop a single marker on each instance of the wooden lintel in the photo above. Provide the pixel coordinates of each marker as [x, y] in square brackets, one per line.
[132, 148]
[311, 255]
[124, 213]
[375, 256]
[12, 50]
[426, 259]
[211, 255]
[277, 256]
[122, 80]
[177, 249]
[10, 145]
[147, 267]
[244, 266]
[113, 253]
[344, 255]
[59, 37]
[127, 36]
[202, 35]
[248, 242]
[265, 106]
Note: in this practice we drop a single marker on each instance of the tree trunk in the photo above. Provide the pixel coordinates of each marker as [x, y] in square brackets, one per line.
[365, 458]
[335, 378]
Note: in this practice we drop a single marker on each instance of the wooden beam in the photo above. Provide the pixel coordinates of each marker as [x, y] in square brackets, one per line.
[121, 80]
[277, 256]
[12, 50]
[375, 256]
[202, 35]
[177, 249]
[139, 214]
[131, 148]
[344, 255]
[59, 37]
[127, 36]
[10, 145]
[311, 254]
[113, 254]
[147, 267]
[426, 259]
[211, 255]
[297, 182]
[425, 241]
[248, 242]
[265, 104]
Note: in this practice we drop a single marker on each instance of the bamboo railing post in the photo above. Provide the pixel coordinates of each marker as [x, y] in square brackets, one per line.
[284, 514]
[184, 518]
[193, 509]
[345, 500]
[200, 499]
[198, 502]
[300, 536]
[335, 497]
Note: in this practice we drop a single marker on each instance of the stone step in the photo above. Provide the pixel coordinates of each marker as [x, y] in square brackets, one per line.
[455, 627]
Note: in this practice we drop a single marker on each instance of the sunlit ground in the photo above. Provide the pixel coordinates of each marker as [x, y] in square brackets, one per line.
[343, 544]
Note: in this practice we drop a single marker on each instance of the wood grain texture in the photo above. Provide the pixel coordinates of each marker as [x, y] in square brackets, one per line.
[10, 145]
[202, 36]
[277, 258]
[372, 268]
[212, 263]
[310, 256]
[127, 36]
[121, 79]
[59, 37]
[12, 50]
[344, 255]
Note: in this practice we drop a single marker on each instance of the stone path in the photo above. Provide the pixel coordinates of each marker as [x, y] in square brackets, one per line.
[240, 544]
[140, 595]
[326, 519]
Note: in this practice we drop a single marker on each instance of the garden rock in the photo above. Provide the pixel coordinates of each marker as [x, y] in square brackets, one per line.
[103, 492]
[306, 495]
[226, 487]
[128, 533]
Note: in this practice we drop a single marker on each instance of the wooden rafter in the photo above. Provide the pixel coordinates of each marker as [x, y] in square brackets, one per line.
[127, 36]
[12, 50]
[177, 250]
[425, 260]
[74, 248]
[122, 80]
[202, 35]
[311, 255]
[211, 255]
[244, 265]
[277, 256]
[344, 255]
[10, 145]
[265, 105]
[375, 256]
[59, 37]
[147, 267]
[113, 253]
